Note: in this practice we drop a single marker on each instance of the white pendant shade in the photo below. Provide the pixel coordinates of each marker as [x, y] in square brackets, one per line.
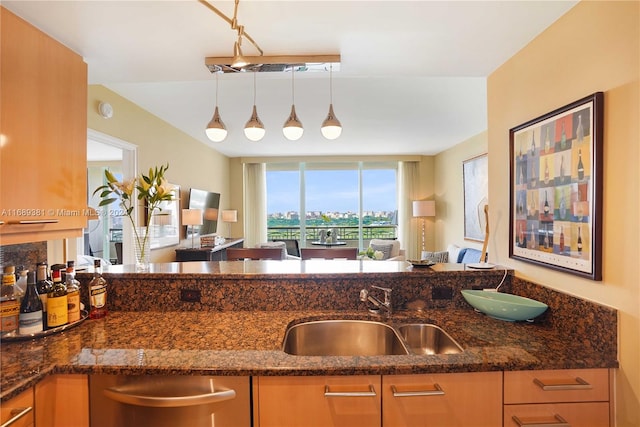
[331, 127]
[254, 129]
[293, 129]
[216, 130]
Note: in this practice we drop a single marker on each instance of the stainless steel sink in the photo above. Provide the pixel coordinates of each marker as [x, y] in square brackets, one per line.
[424, 338]
[343, 338]
[366, 338]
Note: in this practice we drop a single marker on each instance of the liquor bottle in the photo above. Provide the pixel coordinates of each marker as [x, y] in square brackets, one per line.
[579, 240]
[563, 138]
[9, 305]
[57, 310]
[561, 168]
[534, 181]
[43, 286]
[580, 166]
[97, 293]
[21, 284]
[532, 238]
[521, 176]
[579, 130]
[546, 170]
[30, 309]
[561, 239]
[73, 294]
[533, 143]
[547, 142]
[546, 238]
[546, 204]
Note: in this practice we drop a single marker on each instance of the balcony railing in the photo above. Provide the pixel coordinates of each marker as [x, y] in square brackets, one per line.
[346, 233]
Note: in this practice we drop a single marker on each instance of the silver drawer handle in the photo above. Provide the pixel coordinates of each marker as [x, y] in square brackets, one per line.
[33, 221]
[329, 393]
[17, 414]
[561, 422]
[437, 392]
[170, 401]
[579, 384]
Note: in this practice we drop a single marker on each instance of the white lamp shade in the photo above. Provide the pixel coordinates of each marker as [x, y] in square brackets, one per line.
[191, 216]
[230, 215]
[423, 208]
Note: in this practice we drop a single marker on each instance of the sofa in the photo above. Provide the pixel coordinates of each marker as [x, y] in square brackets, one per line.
[454, 254]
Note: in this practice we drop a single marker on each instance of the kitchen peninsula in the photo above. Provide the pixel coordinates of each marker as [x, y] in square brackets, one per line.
[230, 318]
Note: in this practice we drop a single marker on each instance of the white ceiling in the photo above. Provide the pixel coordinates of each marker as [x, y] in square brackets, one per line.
[412, 78]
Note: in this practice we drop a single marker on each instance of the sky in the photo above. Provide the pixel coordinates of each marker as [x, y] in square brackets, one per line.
[331, 191]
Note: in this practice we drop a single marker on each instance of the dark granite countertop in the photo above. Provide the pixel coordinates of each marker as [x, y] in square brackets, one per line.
[249, 343]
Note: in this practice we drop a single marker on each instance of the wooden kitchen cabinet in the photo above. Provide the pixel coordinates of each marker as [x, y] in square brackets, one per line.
[43, 124]
[19, 409]
[329, 401]
[445, 400]
[62, 401]
[577, 397]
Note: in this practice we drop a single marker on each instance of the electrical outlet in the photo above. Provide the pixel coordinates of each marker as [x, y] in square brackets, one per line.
[441, 293]
[190, 295]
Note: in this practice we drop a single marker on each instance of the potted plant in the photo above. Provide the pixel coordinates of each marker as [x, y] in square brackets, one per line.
[152, 189]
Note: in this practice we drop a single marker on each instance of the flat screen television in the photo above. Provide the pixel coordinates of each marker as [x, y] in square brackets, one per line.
[209, 203]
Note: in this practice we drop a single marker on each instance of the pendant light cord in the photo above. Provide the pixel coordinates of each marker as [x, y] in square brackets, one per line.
[216, 88]
[331, 83]
[254, 87]
[293, 89]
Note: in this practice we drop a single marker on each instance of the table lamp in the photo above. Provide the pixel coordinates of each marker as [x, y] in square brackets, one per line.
[191, 217]
[423, 209]
[229, 216]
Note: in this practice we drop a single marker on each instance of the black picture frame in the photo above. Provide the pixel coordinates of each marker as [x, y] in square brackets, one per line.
[555, 213]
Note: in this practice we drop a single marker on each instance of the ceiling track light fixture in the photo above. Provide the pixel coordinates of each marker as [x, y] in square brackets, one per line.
[331, 127]
[216, 130]
[238, 60]
[254, 129]
[293, 129]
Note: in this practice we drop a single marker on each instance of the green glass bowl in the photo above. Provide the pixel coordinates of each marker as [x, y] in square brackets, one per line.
[504, 306]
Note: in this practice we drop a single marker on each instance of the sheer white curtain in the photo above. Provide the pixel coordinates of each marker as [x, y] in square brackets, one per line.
[408, 185]
[255, 204]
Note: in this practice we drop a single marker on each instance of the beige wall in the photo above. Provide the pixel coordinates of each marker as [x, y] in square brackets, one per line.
[594, 47]
[449, 192]
[191, 163]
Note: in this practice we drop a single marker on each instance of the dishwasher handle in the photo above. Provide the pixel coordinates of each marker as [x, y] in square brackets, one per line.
[168, 401]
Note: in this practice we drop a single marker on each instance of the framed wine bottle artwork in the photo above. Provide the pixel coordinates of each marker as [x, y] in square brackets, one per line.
[555, 214]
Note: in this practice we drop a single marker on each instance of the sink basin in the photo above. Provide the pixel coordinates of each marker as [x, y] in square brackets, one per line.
[343, 338]
[423, 338]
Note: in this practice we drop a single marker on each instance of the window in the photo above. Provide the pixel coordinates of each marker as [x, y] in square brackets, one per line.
[357, 201]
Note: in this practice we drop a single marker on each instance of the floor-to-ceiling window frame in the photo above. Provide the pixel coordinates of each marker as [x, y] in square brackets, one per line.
[355, 199]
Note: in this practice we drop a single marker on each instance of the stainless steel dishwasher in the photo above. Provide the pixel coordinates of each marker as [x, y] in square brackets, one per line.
[169, 401]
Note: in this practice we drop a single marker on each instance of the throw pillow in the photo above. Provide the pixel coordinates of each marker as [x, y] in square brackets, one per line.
[437, 256]
[385, 249]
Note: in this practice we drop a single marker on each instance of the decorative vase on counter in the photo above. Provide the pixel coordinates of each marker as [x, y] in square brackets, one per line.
[142, 248]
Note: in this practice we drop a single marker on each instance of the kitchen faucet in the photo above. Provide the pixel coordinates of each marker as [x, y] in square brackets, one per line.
[365, 296]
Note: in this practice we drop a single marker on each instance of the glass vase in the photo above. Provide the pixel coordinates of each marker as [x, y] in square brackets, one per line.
[142, 249]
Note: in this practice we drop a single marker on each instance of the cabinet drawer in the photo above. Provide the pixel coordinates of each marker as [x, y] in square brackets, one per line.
[566, 385]
[593, 414]
[21, 404]
[332, 401]
[445, 400]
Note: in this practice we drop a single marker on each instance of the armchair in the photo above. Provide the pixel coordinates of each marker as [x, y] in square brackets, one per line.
[390, 248]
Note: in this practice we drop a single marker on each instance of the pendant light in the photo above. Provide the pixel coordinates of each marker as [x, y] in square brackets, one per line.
[254, 129]
[216, 130]
[331, 127]
[293, 129]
